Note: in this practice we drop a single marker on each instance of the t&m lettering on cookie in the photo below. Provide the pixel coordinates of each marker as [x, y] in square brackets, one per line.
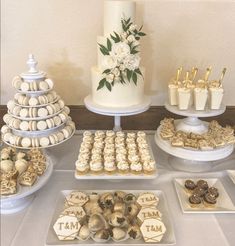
[77, 198]
[153, 228]
[67, 227]
[148, 200]
[146, 213]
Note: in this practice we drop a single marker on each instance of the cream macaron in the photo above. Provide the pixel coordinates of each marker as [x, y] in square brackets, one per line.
[43, 86]
[16, 110]
[42, 112]
[24, 125]
[24, 86]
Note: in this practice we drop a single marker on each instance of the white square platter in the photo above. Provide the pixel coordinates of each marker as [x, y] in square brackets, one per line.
[168, 239]
[224, 203]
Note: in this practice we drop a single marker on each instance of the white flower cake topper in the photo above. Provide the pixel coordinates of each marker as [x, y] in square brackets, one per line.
[121, 59]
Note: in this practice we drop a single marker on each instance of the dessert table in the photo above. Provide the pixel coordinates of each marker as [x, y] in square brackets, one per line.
[30, 226]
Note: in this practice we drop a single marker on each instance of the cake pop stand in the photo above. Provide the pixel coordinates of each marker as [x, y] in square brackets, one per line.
[117, 112]
[17, 202]
[192, 160]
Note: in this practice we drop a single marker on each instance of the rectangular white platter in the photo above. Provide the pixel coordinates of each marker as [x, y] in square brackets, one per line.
[224, 203]
[119, 175]
[168, 238]
[231, 174]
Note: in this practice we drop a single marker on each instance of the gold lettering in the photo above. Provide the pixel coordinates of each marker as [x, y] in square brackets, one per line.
[74, 225]
[60, 225]
[156, 228]
[66, 226]
[148, 228]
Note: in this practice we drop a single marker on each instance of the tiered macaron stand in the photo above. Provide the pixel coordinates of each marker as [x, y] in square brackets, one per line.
[192, 160]
[20, 200]
[117, 113]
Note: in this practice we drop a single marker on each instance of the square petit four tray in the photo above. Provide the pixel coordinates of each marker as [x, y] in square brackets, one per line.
[162, 206]
[224, 203]
[117, 175]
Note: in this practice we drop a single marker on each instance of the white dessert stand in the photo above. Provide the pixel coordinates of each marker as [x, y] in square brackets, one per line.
[192, 160]
[15, 203]
[117, 112]
[192, 123]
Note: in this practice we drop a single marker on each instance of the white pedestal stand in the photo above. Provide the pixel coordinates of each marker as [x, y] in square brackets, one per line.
[192, 160]
[117, 112]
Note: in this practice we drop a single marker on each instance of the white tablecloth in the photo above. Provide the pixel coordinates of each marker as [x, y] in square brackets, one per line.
[30, 226]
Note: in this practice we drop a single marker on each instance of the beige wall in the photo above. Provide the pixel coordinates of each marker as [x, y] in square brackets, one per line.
[62, 35]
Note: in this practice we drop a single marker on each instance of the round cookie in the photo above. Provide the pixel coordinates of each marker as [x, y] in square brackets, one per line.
[24, 112]
[26, 142]
[42, 112]
[41, 125]
[5, 129]
[33, 101]
[24, 86]
[24, 125]
[44, 141]
[16, 110]
[57, 120]
[35, 85]
[16, 124]
[52, 139]
[11, 105]
[65, 132]
[50, 123]
[63, 117]
[50, 83]
[60, 136]
[43, 86]
[25, 101]
[7, 136]
[66, 109]
[61, 103]
[50, 109]
[6, 118]
[16, 82]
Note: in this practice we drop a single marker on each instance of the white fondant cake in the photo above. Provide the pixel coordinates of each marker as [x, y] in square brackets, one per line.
[117, 80]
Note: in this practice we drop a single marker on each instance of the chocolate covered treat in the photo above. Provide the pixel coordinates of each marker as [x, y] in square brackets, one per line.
[195, 200]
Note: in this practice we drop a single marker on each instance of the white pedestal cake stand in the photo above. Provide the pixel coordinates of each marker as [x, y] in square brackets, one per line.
[15, 203]
[117, 112]
[192, 160]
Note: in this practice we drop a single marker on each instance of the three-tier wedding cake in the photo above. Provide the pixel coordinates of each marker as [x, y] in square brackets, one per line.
[118, 79]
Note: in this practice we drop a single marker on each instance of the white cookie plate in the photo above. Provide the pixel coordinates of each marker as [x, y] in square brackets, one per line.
[117, 175]
[231, 174]
[37, 133]
[34, 93]
[224, 203]
[14, 203]
[168, 238]
[39, 105]
[36, 118]
[49, 146]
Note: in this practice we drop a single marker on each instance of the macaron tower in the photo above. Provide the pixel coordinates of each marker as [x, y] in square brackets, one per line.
[37, 117]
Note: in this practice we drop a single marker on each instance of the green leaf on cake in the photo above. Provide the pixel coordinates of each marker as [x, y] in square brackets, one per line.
[129, 74]
[106, 71]
[134, 77]
[108, 85]
[116, 38]
[122, 79]
[109, 44]
[141, 34]
[101, 84]
[103, 50]
[140, 28]
[137, 70]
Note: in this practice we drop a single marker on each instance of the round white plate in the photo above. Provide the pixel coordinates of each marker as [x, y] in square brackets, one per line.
[37, 133]
[20, 147]
[195, 155]
[34, 93]
[121, 111]
[195, 113]
[14, 203]
[36, 118]
[39, 105]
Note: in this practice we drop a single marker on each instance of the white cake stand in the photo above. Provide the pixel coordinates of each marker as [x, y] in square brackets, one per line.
[117, 112]
[24, 196]
[192, 160]
[192, 123]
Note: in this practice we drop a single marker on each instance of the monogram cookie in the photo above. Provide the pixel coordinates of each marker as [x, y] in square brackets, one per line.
[148, 199]
[67, 227]
[147, 213]
[76, 198]
[152, 230]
